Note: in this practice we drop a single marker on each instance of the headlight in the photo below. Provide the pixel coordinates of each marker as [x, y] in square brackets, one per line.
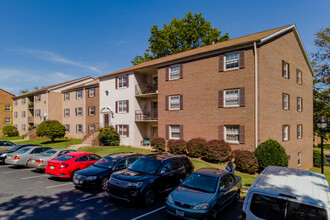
[170, 199]
[90, 178]
[3, 155]
[201, 206]
[135, 184]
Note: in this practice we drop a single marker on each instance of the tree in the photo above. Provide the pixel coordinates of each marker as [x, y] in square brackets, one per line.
[9, 131]
[321, 68]
[108, 136]
[24, 91]
[190, 32]
[51, 129]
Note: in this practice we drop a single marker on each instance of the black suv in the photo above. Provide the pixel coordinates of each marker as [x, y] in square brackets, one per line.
[148, 176]
[97, 175]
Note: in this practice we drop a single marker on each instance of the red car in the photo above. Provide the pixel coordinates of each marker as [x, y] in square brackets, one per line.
[67, 165]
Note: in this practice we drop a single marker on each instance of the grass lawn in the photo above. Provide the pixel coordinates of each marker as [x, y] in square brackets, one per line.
[326, 171]
[11, 138]
[58, 143]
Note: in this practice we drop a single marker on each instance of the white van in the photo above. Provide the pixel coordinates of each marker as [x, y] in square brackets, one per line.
[284, 193]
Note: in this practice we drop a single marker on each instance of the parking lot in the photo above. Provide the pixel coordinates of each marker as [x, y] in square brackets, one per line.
[27, 194]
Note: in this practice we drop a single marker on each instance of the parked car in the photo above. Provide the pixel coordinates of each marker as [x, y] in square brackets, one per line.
[148, 176]
[97, 175]
[285, 193]
[67, 165]
[5, 145]
[13, 149]
[203, 194]
[22, 156]
[40, 161]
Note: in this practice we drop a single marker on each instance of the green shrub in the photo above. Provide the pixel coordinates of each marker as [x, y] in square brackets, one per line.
[325, 146]
[9, 131]
[176, 146]
[195, 147]
[32, 127]
[271, 153]
[317, 158]
[158, 144]
[51, 129]
[108, 136]
[245, 161]
[216, 151]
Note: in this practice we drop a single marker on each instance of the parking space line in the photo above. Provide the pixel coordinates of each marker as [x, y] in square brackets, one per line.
[17, 170]
[32, 177]
[49, 187]
[141, 216]
[94, 197]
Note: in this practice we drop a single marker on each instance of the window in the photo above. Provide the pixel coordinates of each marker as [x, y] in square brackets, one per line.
[286, 130]
[299, 131]
[37, 113]
[122, 106]
[79, 111]
[232, 61]
[79, 128]
[299, 104]
[175, 132]
[285, 70]
[231, 97]
[174, 102]
[122, 82]
[7, 120]
[66, 112]
[232, 134]
[286, 101]
[82, 159]
[168, 167]
[15, 102]
[23, 101]
[91, 110]
[299, 159]
[79, 94]
[15, 114]
[37, 98]
[91, 128]
[175, 72]
[67, 128]
[66, 96]
[7, 108]
[23, 114]
[24, 128]
[121, 164]
[123, 130]
[91, 92]
[299, 77]
[266, 207]
[93, 157]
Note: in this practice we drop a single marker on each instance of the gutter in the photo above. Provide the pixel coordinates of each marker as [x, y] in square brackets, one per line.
[255, 94]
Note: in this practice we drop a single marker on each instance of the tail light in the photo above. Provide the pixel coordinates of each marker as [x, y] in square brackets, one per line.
[243, 215]
[30, 159]
[193, 166]
[39, 161]
[16, 158]
[64, 165]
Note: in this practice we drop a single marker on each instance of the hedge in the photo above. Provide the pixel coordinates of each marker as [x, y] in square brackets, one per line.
[317, 158]
[216, 151]
[176, 146]
[9, 131]
[245, 161]
[108, 136]
[158, 144]
[195, 147]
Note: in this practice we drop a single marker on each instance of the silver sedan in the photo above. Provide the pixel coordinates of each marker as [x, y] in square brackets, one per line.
[40, 161]
[22, 156]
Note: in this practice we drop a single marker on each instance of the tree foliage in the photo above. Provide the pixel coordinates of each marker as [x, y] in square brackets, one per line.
[9, 131]
[51, 129]
[190, 32]
[321, 61]
[108, 136]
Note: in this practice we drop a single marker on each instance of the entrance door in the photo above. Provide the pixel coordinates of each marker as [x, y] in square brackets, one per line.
[154, 132]
[106, 120]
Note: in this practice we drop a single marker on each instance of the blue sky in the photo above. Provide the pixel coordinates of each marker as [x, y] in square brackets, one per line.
[46, 42]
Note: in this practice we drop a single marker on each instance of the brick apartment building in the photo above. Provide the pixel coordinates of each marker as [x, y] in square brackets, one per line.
[32, 108]
[6, 112]
[243, 91]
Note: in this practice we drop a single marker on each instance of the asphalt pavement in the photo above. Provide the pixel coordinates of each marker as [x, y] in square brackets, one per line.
[27, 194]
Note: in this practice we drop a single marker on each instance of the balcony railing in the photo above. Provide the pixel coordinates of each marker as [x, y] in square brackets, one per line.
[30, 120]
[31, 106]
[145, 116]
[148, 88]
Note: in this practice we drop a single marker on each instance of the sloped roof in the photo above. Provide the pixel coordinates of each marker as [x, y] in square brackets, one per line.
[88, 84]
[7, 92]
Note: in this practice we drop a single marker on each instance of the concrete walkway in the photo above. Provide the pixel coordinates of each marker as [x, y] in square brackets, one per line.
[77, 146]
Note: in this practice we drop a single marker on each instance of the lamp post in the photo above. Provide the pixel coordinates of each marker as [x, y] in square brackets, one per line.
[322, 124]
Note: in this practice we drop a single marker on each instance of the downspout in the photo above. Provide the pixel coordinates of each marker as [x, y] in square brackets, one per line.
[255, 94]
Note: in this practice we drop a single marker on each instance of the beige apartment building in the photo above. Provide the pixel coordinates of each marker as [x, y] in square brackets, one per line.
[6, 112]
[31, 108]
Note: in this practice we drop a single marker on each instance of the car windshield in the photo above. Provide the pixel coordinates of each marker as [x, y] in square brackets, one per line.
[24, 150]
[106, 162]
[48, 153]
[64, 158]
[145, 165]
[14, 148]
[201, 182]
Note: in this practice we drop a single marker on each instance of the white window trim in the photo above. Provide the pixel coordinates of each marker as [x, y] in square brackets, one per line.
[224, 98]
[299, 131]
[77, 94]
[169, 102]
[77, 110]
[15, 102]
[122, 84]
[37, 98]
[121, 130]
[287, 103]
[24, 115]
[67, 96]
[286, 132]
[67, 128]
[89, 110]
[299, 76]
[225, 61]
[170, 133]
[89, 92]
[6, 110]
[24, 127]
[37, 115]
[225, 134]
[77, 129]
[299, 104]
[67, 112]
[299, 159]
[286, 70]
[170, 72]
[9, 122]
[122, 103]
[23, 101]
[15, 115]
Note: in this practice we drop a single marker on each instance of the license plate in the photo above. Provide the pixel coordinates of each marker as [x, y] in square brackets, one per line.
[179, 213]
[51, 167]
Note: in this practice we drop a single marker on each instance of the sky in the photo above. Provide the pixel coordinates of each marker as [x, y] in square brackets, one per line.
[46, 42]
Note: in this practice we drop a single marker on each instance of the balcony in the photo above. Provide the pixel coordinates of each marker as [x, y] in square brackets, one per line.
[145, 116]
[146, 90]
[31, 105]
[30, 120]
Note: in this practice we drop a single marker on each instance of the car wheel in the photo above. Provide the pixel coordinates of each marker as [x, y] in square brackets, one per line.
[149, 197]
[73, 173]
[104, 183]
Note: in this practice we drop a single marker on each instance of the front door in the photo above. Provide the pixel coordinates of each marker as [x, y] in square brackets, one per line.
[106, 120]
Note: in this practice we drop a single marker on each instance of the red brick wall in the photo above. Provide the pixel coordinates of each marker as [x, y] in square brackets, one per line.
[92, 101]
[5, 99]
